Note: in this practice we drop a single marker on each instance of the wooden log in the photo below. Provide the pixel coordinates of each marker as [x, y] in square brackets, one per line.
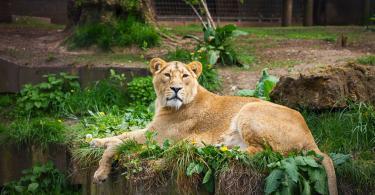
[309, 10]
[287, 12]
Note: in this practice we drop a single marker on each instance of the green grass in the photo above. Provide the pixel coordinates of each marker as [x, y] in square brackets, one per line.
[31, 22]
[359, 174]
[101, 96]
[369, 60]
[86, 156]
[36, 131]
[279, 33]
[325, 33]
[351, 131]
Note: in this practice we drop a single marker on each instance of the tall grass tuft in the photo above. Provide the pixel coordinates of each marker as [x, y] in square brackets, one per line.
[37, 131]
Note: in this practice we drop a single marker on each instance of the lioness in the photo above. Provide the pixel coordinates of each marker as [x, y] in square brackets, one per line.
[185, 110]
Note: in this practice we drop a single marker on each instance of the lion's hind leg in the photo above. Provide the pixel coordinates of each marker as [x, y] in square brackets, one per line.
[281, 128]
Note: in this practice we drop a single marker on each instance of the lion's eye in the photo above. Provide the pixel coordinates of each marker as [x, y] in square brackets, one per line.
[167, 74]
[185, 75]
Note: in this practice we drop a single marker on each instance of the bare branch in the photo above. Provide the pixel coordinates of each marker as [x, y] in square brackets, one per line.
[197, 13]
[208, 14]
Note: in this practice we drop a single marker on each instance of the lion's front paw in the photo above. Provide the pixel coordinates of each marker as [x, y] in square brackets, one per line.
[101, 174]
[105, 142]
[97, 143]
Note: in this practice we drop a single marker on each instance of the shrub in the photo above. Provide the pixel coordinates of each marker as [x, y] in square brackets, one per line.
[118, 32]
[40, 179]
[216, 44]
[46, 96]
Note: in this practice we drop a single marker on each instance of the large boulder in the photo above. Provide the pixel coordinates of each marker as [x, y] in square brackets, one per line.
[326, 88]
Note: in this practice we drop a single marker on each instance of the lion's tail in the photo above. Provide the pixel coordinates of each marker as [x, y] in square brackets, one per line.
[330, 170]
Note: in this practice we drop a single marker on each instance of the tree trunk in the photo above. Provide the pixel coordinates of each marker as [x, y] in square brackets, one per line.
[366, 12]
[309, 10]
[148, 12]
[287, 12]
[5, 15]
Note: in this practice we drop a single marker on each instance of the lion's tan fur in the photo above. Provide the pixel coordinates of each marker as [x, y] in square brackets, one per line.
[206, 117]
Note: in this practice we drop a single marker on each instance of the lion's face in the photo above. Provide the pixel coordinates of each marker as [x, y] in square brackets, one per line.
[175, 83]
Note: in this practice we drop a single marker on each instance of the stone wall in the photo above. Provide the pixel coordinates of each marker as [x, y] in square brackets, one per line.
[56, 10]
[14, 76]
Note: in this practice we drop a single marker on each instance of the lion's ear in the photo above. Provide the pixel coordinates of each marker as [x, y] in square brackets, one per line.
[196, 67]
[156, 64]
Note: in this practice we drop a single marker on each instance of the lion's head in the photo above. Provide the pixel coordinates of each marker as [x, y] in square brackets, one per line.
[175, 83]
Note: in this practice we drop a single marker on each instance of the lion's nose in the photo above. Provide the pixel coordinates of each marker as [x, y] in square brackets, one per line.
[176, 89]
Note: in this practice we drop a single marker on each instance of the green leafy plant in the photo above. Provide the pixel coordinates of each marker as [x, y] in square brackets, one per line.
[117, 32]
[47, 96]
[101, 124]
[216, 44]
[40, 179]
[263, 87]
[141, 91]
[297, 175]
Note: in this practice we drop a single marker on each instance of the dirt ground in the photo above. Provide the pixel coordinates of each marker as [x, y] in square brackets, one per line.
[35, 47]
[289, 56]
[46, 47]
